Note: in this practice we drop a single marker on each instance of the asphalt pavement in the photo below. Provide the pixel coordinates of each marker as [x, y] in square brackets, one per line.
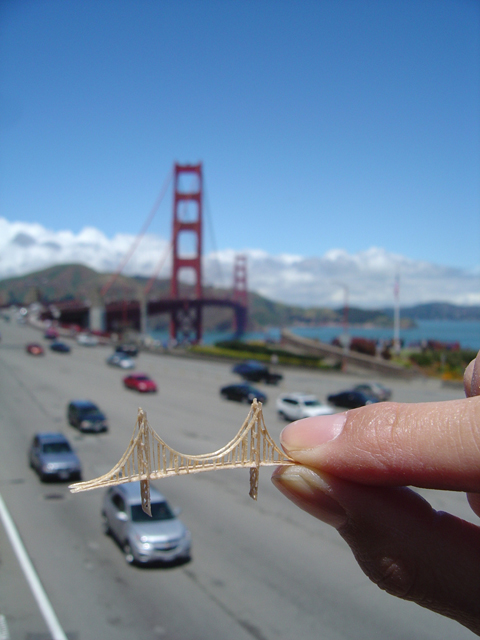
[259, 570]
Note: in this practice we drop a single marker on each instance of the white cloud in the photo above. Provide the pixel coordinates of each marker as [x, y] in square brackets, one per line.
[317, 281]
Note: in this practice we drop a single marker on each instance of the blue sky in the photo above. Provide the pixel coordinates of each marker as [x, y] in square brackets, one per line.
[345, 124]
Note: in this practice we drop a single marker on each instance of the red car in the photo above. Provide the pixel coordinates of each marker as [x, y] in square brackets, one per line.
[140, 382]
[35, 349]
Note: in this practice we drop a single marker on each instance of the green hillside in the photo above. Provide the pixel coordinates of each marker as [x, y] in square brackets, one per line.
[74, 281]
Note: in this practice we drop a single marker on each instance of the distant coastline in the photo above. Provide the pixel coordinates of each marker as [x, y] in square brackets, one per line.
[77, 282]
[405, 323]
[465, 332]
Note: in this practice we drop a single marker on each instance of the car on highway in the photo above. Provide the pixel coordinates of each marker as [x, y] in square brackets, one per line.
[144, 539]
[351, 399]
[50, 334]
[140, 382]
[242, 393]
[87, 340]
[294, 406]
[128, 349]
[60, 347]
[376, 389]
[86, 416]
[34, 349]
[121, 360]
[52, 457]
[255, 371]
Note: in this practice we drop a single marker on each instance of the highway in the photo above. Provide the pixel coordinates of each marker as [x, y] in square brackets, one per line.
[259, 570]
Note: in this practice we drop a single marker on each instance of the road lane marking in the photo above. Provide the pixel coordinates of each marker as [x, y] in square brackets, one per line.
[4, 633]
[33, 580]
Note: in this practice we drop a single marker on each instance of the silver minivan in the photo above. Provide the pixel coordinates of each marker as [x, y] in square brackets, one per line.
[160, 538]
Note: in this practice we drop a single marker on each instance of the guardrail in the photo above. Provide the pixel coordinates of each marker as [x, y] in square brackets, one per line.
[307, 346]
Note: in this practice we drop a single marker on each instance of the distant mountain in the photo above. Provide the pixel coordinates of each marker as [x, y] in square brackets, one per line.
[75, 281]
[69, 282]
[438, 311]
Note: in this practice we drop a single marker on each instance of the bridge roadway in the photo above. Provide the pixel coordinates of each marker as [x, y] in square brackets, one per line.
[118, 314]
[260, 570]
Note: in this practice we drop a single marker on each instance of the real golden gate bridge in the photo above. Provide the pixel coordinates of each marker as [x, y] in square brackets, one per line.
[186, 312]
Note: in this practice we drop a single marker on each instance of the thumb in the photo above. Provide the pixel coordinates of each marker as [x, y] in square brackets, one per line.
[434, 445]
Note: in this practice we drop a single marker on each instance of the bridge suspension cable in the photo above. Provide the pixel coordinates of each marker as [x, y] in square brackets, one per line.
[139, 237]
[158, 268]
[212, 234]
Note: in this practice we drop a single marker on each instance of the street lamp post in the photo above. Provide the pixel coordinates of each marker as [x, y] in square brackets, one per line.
[396, 315]
[345, 339]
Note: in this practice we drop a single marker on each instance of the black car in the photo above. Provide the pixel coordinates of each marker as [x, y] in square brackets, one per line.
[129, 349]
[376, 389]
[256, 372]
[60, 347]
[242, 393]
[86, 416]
[351, 399]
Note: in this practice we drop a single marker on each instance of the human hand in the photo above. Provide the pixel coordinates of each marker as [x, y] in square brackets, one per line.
[352, 473]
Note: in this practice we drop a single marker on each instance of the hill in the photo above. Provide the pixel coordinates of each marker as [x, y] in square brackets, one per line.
[439, 311]
[69, 282]
[74, 281]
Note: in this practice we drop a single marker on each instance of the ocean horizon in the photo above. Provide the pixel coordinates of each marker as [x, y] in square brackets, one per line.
[465, 332]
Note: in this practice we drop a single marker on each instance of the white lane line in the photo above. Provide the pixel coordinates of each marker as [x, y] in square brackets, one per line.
[39, 594]
[4, 633]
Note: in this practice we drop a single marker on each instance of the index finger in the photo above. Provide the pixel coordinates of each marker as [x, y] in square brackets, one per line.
[433, 445]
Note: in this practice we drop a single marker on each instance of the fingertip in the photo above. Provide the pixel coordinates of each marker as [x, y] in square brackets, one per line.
[475, 385]
[467, 379]
[471, 377]
[312, 432]
[474, 502]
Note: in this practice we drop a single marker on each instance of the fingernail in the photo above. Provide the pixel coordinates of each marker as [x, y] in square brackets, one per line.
[311, 432]
[310, 491]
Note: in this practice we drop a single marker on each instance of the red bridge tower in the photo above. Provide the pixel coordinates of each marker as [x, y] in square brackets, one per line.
[186, 320]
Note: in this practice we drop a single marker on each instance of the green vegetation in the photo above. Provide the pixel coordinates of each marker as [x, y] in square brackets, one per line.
[259, 351]
[447, 364]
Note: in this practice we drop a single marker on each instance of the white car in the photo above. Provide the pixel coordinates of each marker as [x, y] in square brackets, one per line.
[87, 340]
[121, 360]
[294, 406]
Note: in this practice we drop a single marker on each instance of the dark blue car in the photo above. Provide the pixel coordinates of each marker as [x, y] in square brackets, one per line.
[351, 399]
[256, 372]
[242, 393]
[60, 347]
[86, 416]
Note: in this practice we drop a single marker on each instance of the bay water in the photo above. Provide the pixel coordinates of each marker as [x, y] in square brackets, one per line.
[467, 333]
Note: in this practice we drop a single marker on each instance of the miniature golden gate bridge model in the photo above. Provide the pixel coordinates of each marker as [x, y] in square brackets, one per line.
[148, 457]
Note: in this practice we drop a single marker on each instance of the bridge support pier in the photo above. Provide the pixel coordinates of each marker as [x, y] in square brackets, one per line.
[186, 323]
[96, 319]
[143, 317]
